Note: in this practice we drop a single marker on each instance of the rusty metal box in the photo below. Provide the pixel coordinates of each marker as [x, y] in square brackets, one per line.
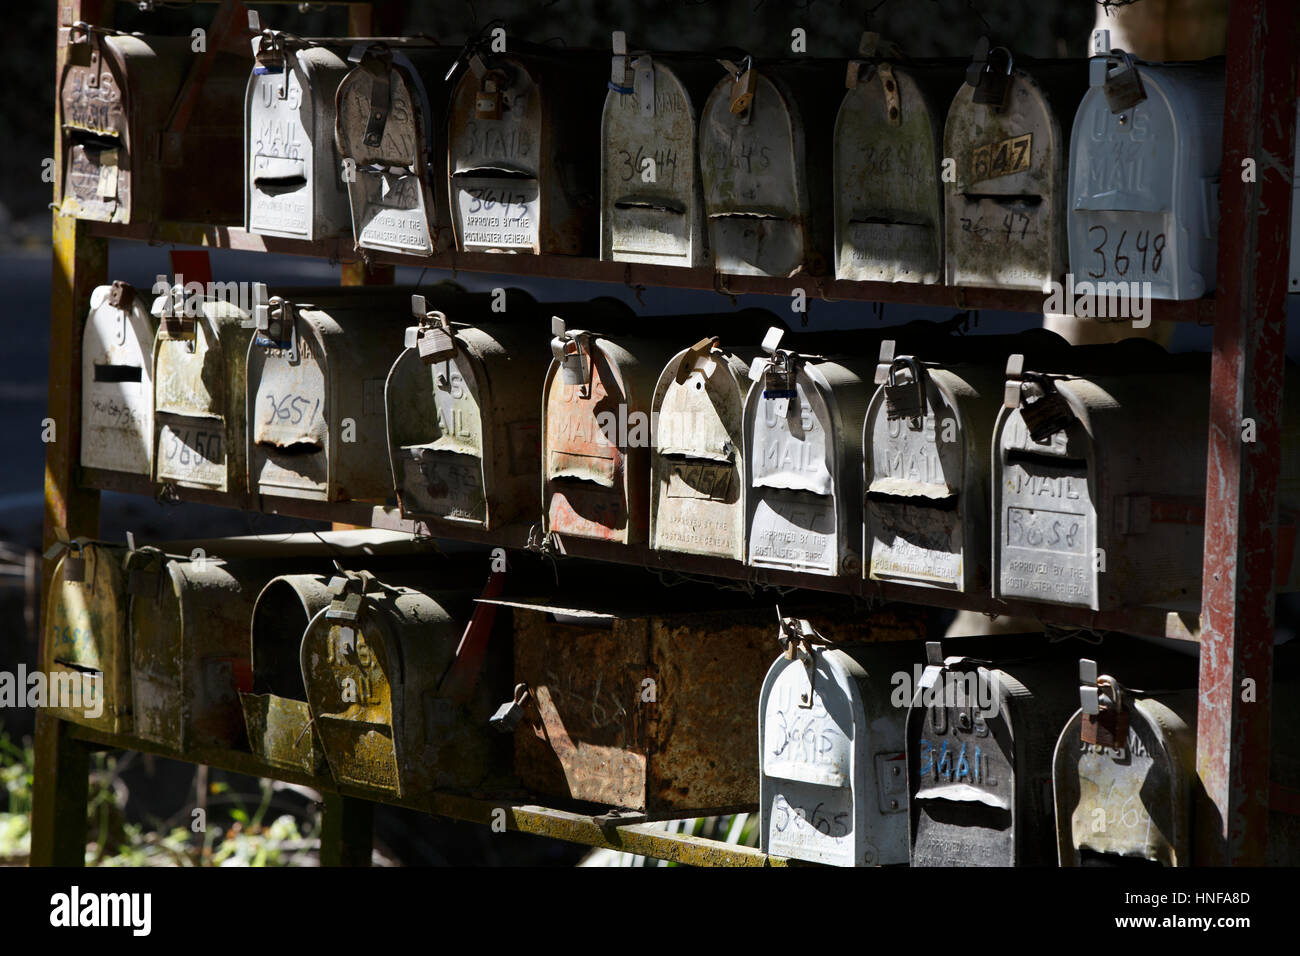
[150, 129]
[117, 403]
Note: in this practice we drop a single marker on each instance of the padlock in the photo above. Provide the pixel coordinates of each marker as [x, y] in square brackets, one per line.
[1105, 716]
[1047, 414]
[905, 399]
[991, 84]
[1123, 86]
[436, 340]
[569, 351]
[510, 714]
[74, 565]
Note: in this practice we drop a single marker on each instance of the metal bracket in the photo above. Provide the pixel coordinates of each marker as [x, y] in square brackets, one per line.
[378, 64]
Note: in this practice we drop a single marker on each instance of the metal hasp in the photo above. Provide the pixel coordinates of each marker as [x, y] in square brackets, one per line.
[1144, 176]
[463, 428]
[888, 196]
[523, 147]
[979, 760]
[926, 461]
[651, 198]
[148, 134]
[199, 356]
[765, 160]
[391, 127]
[597, 433]
[1005, 212]
[832, 760]
[117, 403]
[293, 174]
[86, 653]
[374, 661]
[803, 432]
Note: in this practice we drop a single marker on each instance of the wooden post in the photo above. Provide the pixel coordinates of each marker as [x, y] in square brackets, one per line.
[347, 828]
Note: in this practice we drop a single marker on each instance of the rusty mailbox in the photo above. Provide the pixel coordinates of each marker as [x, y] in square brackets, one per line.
[888, 155]
[390, 133]
[523, 144]
[832, 760]
[1005, 208]
[1144, 167]
[652, 203]
[765, 158]
[401, 684]
[926, 454]
[979, 760]
[86, 651]
[597, 432]
[803, 439]
[117, 405]
[149, 128]
[462, 419]
[292, 171]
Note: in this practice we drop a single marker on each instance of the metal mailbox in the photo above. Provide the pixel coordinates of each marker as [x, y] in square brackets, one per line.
[979, 761]
[888, 196]
[389, 129]
[293, 173]
[462, 419]
[523, 144]
[117, 405]
[803, 438]
[926, 453]
[833, 780]
[374, 662]
[1005, 213]
[597, 432]
[1144, 166]
[148, 128]
[765, 148]
[652, 203]
[86, 653]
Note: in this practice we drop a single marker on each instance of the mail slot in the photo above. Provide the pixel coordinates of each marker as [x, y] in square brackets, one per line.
[1144, 175]
[1007, 131]
[926, 451]
[391, 125]
[149, 128]
[888, 196]
[597, 432]
[293, 173]
[462, 419]
[652, 203]
[86, 653]
[523, 143]
[117, 407]
[803, 426]
[979, 743]
[833, 784]
[315, 402]
[765, 164]
[377, 662]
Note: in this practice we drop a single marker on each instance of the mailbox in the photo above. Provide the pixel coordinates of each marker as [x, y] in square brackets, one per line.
[926, 453]
[1144, 175]
[833, 778]
[765, 148]
[315, 402]
[462, 419]
[803, 429]
[293, 173]
[86, 653]
[378, 663]
[596, 433]
[148, 128]
[652, 204]
[523, 142]
[888, 158]
[389, 129]
[117, 406]
[1005, 212]
[979, 743]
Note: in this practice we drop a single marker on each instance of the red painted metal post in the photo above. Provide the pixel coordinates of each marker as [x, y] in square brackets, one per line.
[1232, 751]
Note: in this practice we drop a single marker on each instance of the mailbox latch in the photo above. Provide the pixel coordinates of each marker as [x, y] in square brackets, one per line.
[572, 349]
[798, 638]
[1105, 711]
[433, 337]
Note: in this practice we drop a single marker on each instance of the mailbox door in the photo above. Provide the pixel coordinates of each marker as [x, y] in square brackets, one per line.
[652, 211]
[117, 405]
[888, 204]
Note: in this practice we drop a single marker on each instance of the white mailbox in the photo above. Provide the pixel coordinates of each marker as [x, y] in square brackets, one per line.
[117, 381]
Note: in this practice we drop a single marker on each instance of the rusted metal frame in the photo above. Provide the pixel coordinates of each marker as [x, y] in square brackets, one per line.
[1232, 753]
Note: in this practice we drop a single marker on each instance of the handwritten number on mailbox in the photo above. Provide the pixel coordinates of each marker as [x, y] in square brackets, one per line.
[1143, 241]
[292, 406]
